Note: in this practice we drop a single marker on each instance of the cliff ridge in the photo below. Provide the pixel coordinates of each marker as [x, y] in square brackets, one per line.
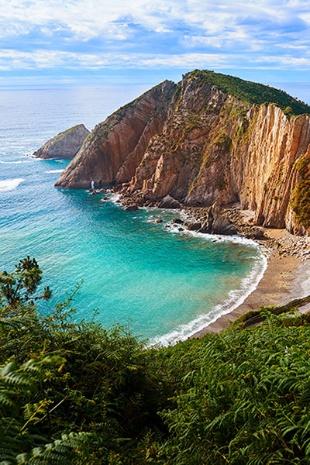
[206, 140]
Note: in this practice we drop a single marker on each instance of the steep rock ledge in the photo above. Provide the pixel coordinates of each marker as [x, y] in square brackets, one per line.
[199, 144]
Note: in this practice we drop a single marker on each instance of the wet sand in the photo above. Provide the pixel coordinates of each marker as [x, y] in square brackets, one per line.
[286, 278]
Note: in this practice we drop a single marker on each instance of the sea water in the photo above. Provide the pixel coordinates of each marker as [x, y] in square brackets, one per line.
[163, 283]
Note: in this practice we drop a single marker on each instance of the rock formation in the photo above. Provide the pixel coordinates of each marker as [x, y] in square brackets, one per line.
[200, 142]
[65, 145]
[115, 147]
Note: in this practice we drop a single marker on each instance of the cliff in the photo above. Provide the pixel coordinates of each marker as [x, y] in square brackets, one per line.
[209, 138]
[65, 145]
[115, 147]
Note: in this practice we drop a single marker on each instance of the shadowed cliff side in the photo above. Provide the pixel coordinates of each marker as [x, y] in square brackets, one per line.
[209, 138]
[115, 147]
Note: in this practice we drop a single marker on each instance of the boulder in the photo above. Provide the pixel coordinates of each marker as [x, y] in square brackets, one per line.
[131, 208]
[218, 221]
[169, 202]
[257, 233]
[177, 221]
[193, 226]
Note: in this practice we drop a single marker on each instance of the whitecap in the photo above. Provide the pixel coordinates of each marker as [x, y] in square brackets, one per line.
[10, 184]
[13, 162]
[53, 171]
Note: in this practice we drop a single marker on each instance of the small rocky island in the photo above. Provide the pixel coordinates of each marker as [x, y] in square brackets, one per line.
[65, 145]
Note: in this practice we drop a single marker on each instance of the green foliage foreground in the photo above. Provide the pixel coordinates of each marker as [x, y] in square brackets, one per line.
[77, 393]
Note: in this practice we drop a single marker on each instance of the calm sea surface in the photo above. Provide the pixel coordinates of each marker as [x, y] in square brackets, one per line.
[163, 283]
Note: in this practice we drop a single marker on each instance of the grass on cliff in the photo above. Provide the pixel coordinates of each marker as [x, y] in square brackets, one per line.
[252, 92]
[75, 393]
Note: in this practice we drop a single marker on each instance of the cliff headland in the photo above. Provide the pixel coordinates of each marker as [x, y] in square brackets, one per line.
[210, 138]
[234, 154]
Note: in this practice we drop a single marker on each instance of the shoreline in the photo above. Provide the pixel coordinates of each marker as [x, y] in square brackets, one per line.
[286, 277]
[287, 274]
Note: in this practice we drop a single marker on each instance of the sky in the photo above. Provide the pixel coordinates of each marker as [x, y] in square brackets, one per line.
[148, 41]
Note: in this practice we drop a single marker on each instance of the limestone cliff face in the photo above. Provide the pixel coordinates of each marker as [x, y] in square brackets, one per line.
[65, 145]
[199, 144]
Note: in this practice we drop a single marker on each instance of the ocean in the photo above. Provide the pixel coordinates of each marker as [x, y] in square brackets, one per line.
[161, 283]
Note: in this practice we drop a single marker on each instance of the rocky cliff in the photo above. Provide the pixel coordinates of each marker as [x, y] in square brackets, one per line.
[65, 145]
[116, 147]
[209, 138]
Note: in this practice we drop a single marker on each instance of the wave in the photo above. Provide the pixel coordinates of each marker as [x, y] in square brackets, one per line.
[10, 184]
[13, 162]
[53, 171]
[235, 298]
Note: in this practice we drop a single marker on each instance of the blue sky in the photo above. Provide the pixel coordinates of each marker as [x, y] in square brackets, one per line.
[147, 41]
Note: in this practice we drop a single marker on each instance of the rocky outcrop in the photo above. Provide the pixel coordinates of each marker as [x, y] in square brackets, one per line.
[65, 145]
[169, 202]
[115, 147]
[199, 144]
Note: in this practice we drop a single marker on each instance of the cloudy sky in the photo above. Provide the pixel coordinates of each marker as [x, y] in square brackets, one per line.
[93, 41]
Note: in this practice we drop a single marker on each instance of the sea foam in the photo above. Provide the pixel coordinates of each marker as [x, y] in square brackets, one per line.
[13, 162]
[10, 184]
[235, 298]
[53, 171]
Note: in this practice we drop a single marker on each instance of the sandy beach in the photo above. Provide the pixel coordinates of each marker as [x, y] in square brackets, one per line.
[287, 277]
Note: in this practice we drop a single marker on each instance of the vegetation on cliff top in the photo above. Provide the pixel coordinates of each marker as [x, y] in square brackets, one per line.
[75, 393]
[252, 92]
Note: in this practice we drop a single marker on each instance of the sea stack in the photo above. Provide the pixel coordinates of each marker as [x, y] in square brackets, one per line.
[65, 145]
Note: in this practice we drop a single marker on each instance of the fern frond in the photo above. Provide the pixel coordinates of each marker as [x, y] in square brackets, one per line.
[10, 374]
[61, 451]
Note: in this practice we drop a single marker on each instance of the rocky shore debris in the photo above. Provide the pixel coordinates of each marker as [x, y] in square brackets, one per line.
[211, 220]
[279, 240]
[218, 220]
[169, 202]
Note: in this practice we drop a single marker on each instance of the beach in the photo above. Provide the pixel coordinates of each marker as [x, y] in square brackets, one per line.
[286, 277]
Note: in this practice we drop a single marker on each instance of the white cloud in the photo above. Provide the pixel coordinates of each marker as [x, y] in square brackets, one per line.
[12, 59]
[90, 18]
[98, 33]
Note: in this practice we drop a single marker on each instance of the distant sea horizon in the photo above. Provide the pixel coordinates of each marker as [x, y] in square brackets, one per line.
[298, 90]
[164, 284]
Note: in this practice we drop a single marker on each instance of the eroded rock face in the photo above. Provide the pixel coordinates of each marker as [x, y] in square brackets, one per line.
[199, 145]
[115, 147]
[65, 145]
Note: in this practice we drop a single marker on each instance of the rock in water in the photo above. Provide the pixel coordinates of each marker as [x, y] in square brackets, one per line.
[65, 145]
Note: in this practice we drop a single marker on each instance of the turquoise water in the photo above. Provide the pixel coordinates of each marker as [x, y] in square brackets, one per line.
[164, 283]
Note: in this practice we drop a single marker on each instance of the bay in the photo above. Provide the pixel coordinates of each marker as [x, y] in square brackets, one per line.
[163, 283]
